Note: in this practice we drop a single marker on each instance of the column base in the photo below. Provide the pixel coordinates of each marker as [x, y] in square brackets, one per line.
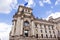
[33, 36]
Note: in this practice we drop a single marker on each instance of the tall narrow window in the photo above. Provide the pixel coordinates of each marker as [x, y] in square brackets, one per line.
[41, 31]
[42, 35]
[36, 35]
[54, 32]
[45, 31]
[54, 36]
[49, 27]
[35, 25]
[45, 26]
[28, 10]
[50, 32]
[46, 36]
[52, 27]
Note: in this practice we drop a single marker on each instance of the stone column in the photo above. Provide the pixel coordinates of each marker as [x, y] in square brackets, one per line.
[47, 31]
[56, 30]
[13, 27]
[38, 30]
[32, 29]
[18, 24]
[21, 27]
[43, 28]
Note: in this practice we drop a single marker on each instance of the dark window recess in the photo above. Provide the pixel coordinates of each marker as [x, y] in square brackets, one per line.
[49, 31]
[50, 36]
[45, 26]
[28, 10]
[36, 35]
[46, 36]
[41, 31]
[42, 35]
[12, 36]
[45, 31]
[35, 25]
[26, 34]
[49, 27]
[53, 32]
[54, 36]
[52, 27]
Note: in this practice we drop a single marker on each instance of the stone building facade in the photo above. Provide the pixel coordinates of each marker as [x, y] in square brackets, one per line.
[26, 27]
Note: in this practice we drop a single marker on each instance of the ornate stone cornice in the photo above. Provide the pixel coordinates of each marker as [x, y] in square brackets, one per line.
[25, 7]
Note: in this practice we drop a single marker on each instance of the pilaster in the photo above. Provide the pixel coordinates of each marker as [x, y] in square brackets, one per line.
[13, 28]
[32, 28]
[39, 31]
[18, 26]
[21, 27]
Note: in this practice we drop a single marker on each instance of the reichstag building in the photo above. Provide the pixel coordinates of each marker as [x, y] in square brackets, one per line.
[26, 27]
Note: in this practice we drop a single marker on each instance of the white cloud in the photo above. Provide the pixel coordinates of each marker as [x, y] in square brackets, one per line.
[41, 4]
[4, 31]
[47, 1]
[31, 3]
[6, 6]
[54, 15]
[57, 2]
[44, 1]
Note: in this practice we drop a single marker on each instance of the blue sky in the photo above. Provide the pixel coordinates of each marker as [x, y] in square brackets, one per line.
[41, 9]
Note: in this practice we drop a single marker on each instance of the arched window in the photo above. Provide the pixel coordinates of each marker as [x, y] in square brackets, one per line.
[26, 23]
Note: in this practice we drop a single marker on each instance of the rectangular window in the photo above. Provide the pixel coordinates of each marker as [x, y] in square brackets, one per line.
[42, 35]
[49, 27]
[45, 26]
[25, 10]
[45, 31]
[28, 10]
[36, 26]
[53, 32]
[52, 27]
[54, 36]
[36, 35]
[41, 31]
[46, 36]
[50, 36]
[50, 32]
